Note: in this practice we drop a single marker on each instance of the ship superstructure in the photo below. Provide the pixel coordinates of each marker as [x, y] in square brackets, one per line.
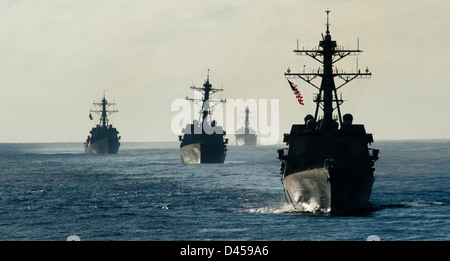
[328, 165]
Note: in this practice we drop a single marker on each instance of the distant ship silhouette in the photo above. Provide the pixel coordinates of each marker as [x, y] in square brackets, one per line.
[103, 138]
[198, 145]
[246, 136]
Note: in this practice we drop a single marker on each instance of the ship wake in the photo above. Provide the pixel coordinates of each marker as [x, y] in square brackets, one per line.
[289, 209]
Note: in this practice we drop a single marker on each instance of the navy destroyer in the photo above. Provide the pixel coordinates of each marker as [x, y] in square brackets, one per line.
[203, 141]
[246, 136]
[328, 165]
[103, 138]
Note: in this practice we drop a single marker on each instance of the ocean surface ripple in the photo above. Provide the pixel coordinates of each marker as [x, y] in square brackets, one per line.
[54, 191]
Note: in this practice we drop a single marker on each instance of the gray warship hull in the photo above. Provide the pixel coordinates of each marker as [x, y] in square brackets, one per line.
[328, 173]
[104, 146]
[245, 139]
[329, 189]
[196, 153]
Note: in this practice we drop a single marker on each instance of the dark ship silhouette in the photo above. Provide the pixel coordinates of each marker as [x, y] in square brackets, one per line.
[103, 138]
[203, 141]
[246, 136]
[328, 166]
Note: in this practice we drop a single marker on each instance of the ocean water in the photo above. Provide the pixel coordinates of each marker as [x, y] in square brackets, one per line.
[55, 191]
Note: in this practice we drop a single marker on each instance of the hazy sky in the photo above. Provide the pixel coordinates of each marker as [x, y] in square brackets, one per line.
[57, 57]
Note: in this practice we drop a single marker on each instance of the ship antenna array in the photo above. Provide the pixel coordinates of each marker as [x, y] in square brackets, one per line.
[104, 112]
[328, 54]
[206, 103]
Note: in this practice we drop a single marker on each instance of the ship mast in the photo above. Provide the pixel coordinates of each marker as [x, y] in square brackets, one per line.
[328, 54]
[207, 91]
[247, 111]
[104, 112]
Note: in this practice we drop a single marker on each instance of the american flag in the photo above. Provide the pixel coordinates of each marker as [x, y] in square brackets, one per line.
[296, 92]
